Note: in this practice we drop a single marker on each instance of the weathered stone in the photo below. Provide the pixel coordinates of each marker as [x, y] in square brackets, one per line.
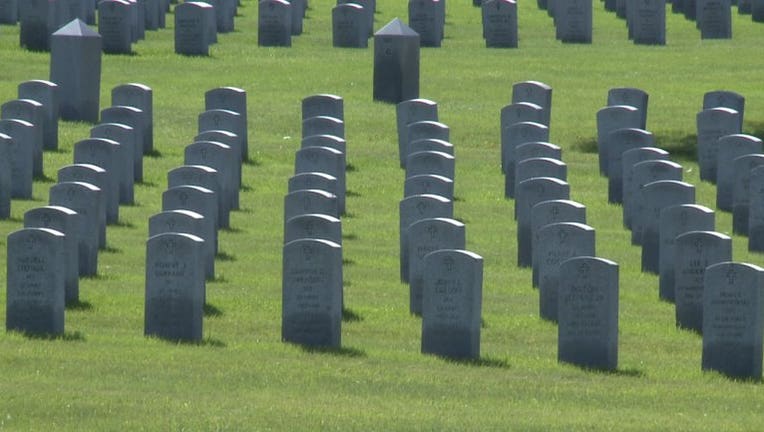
[412, 209]
[675, 221]
[549, 212]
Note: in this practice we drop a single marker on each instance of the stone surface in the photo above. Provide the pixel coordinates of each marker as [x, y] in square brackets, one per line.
[221, 158]
[63, 220]
[192, 36]
[529, 193]
[618, 142]
[549, 212]
[113, 158]
[743, 167]
[123, 135]
[46, 93]
[35, 281]
[313, 226]
[649, 22]
[205, 177]
[452, 304]
[656, 196]
[538, 149]
[323, 104]
[9, 12]
[274, 23]
[520, 112]
[642, 174]
[573, 21]
[408, 112]
[20, 148]
[142, 97]
[424, 19]
[307, 201]
[313, 180]
[350, 26]
[85, 199]
[587, 330]
[311, 305]
[612, 118]
[732, 320]
[725, 99]
[75, 65]
[325, 160]
[425, 236]
[187, 222]
[712, 124]
[37, 19]
[227, 120]
[500, 23]
[230, 139]
[431, 162]
[134, 118]
[230, 99]
[32, 112]
[557, 242]
[513, 137]
[538, 167]
[756, 211]
[429, 184]
[729, 148]
[396, 63]
[6, 144]
[115, 26]
[675, 221]
[330, 141]
[425, 129]
[95, 176]
[323, 125]
[630, 96]
[175, 291]
[714, 19]
[628, 160]
[200, 200]
[431, 144]
[537, 93]
[412, 209]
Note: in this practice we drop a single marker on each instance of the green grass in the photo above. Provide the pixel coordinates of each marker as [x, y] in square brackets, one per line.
[105, 375]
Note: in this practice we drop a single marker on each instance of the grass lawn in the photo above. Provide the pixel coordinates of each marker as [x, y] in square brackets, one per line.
[105, 375]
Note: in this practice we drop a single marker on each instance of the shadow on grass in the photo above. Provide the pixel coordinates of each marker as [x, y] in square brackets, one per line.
[112, 250]
[350, 168]
[211, 311]
[66, 336]
[44, 179]
[15, 219]
[225, 256]
[351, 193]
[252, 162]
[123, 224]
[346, 283]
[56, 151]
[458, 199]
[339, 352]
[79, 305]
[349, 215]
[217, 279]
[232, 230]
[146, 183]
[208, 341]
[348, 315]
[681, 146]
[154, 153]
[627, 372]
[246, 188]
[480, 362]
[350, 236]
[96, 276]
[346, 261]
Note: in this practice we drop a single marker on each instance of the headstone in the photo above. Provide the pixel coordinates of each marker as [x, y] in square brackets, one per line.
[537, 93]
[557, 242]
[313, 180]
[123, 135]
[21, 155]
[134, 118]
[187, 222]
[675, 221]
[694, 252]
[756, 211]
[33, 112]
[350, 26]
[549, 212]
[205, 177]
[200, 200]
[192, 36]
[452, 304]
[35, 281]
[612, 118]
[113, 158]
[712, 124]
[330, 141]
[224, 22]
[425, 129]
[369, 8]
[529, 193]
[174, 307]
[230, 139]
[138, 96]
[649, 22]
[37, 19]
[226, 120]
[326, 160]
[314, 226]
[513, 137]
[744, 179]
[520, 112]
[573, 21]
[500, 23]
[323, 125]
[396, 63]
[83, 198]
[274, 23]
[757, 10]
[95, 176]
[231, 99]
[725, 99]
[221, 158]
[308, 201]
[6, 168]
[323, 105]
[628, 185]
[425, 236]
[431, 162]
[311, 306]
[415, 208]
[538, 149]
[618, 142]
[630, 96]
[587, 330]
[9, 12]
[431, 144]
[538, 167]
[424, 19]
[408, 112]
[714, 19]
[75, 65]
[46, 93]
[643, 173]
[153, 11]
[729, 148]
[429, 184]
[63, 220]
[115, 26]
[732, 320]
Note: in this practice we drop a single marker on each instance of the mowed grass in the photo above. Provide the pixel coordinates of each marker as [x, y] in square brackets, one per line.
[105, 375]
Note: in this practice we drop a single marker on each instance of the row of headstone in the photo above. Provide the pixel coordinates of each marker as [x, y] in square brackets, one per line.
[445, 280]
[124, 22]
[312, 281]
[572, 19]
[352, 23]
[499, 19]
[428, 19]
[577, 290]
[278, 21]
[197, 25]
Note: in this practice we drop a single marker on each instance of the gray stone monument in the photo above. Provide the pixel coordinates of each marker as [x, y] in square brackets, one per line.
[725, 99]
[630, 96]
[643, 173]
[573, 20]
[187, 222]
[115, 26]
[83, 198]
[618, 142]
[94, 176]
[513, 137]
[429, 184]
[732, 320]
[200, 200]
[46, 93]
[75, 65]
[628, 191]
[313, 180]
[452, 304]
[330, 141]
[425, 129]
[231, 99]
[307, 201]
[350, 26]
[326, 160]
[730, 147]
[274, 23]
[741, 190]
[538, 149]
[537, 93]
[37, 19]
[712, 124]
[203, 176]
[314, 226]
[648, 21]
[110, 156]
[35, 289]
[431, 162]
[33, 112]
[549, 212]
[227, 120]
[529, 193]
[415, 208]
[9, 12]
[228, 138]
[587, 330]
[221, 158]
[655, 197]
[500, 23]
[424, 19]
[756, 211]
[6, 144]
[138, 96]
[520, 112]
[123, 135]
[175, 291]
[714, 19]
[425, 236]
[408, 112]
[135, 119]
[396, 63]
[538, 167]
[431, 144]
[311, 305]
[675, 221]
[192, 36]
[323, 125]
[612, 118]
[323, 104]
[21, 155]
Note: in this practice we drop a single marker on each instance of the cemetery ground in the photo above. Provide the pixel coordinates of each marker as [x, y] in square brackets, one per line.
[105, 375]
